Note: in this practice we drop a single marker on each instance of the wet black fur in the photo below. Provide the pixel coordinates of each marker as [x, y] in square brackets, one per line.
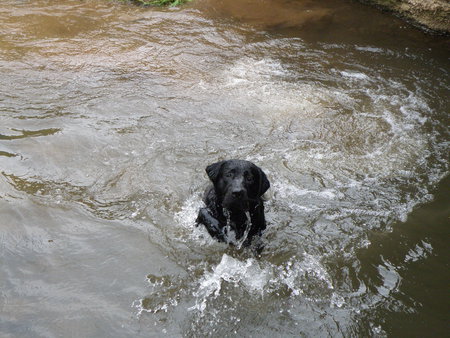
[237, 189]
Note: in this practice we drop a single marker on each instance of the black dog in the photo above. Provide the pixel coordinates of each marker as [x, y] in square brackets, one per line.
[236, 192]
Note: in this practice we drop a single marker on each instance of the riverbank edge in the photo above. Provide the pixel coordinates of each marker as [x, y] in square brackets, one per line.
[432, 16]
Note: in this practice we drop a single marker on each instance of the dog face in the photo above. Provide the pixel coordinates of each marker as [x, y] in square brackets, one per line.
[237, 183]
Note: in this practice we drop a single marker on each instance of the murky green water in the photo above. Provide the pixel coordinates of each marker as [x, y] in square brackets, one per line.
[109, 114]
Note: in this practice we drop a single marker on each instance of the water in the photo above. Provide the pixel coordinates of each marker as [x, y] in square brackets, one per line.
[110, 113]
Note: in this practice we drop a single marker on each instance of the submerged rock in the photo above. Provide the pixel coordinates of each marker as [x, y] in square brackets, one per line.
[432, 15]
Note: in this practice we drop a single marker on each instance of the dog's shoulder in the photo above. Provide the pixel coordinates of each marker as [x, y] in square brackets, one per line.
[213, 204]
[210, 197]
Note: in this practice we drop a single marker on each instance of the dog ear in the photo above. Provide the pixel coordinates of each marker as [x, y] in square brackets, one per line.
[213, 170]
[264, 183]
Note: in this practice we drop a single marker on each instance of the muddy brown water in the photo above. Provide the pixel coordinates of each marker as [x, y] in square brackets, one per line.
[109, 114]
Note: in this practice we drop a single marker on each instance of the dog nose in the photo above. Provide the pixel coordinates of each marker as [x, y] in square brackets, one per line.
[238, 193]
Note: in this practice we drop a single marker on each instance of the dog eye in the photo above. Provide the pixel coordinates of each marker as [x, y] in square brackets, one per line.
[249, 178]
[229, 175]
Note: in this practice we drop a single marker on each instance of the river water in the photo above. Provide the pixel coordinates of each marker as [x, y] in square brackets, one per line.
[109, 114]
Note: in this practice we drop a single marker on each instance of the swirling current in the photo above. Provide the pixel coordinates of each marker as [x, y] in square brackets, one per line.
[110, 113]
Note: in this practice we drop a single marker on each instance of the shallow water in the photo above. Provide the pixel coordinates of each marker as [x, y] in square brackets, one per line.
[109, 114]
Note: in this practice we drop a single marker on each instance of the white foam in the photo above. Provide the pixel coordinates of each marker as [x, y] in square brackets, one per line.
[186, 219]
[265, 87]
[369, 49]
[354, 75]
[246, 273]
[286, 190]
[337, 300]
[420, 251]
[390, 277]
[259, 278]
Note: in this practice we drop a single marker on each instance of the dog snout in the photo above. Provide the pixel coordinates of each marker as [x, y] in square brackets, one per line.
[238, 193]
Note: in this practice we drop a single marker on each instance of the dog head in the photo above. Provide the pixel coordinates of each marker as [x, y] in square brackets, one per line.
[237, 183]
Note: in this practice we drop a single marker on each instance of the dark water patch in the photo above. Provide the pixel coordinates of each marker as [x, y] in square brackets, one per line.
[29, 133]
[7, 154]
[411, 255]
[63, 193]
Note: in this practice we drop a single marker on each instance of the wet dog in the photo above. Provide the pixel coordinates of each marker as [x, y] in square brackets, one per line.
[234, 211]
